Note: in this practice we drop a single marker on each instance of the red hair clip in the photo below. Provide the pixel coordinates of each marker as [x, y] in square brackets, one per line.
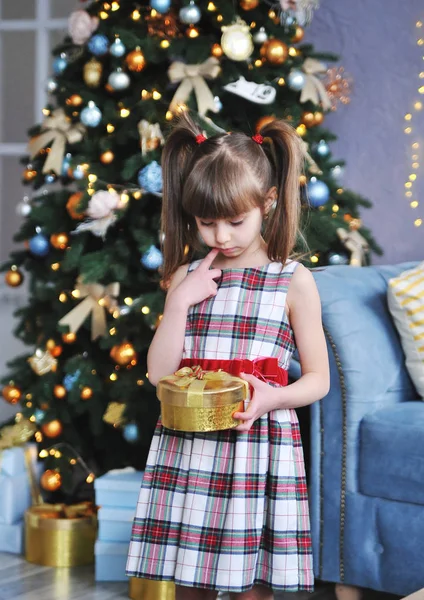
[258, 138]
[200, 138]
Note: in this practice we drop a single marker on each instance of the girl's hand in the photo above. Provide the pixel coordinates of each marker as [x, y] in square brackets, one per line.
[264, 398]
[198, 284]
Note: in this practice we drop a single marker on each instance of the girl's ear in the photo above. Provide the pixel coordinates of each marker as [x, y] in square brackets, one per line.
[270, 199]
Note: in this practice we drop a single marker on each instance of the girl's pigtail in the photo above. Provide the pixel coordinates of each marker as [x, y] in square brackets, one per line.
[176, 156]
[283, 148]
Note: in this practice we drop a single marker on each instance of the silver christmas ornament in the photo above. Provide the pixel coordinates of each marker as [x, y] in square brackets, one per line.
[117, 48]
[52, 85]
[23, 209]
[191, 14]
[119, 80]
[296, 80]
[260, 37]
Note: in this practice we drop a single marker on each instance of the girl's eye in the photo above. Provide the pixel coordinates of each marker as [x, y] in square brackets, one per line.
[235, 223]
[205, 224]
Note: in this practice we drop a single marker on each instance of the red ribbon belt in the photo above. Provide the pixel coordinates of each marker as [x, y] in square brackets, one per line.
[266, 369]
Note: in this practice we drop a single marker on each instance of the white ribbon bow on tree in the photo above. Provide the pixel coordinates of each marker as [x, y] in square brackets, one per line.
[314, 90]
[356, 244]
[192, 77]
[57, 130]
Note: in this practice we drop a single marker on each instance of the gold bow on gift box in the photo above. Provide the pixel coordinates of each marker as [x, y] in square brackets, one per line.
[97, 298]
[57, 131]
[192, 78]
[197, 400]
[314, 89]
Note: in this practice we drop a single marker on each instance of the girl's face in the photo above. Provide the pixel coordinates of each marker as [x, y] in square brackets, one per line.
[233, 237]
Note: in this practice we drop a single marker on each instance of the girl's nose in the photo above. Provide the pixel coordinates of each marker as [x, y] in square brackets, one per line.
[222, 234]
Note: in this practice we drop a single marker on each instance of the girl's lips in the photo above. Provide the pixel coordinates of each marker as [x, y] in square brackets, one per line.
[227, 250]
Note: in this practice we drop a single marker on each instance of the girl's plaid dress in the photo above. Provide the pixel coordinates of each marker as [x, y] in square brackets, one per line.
[227, 510]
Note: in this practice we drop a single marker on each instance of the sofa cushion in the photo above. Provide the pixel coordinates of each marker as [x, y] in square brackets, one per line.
[391, 451]
[405, 296]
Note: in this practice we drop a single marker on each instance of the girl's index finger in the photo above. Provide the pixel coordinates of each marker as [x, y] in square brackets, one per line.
[209, 258]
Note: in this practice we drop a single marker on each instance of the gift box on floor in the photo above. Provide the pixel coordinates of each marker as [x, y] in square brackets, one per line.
[115, 524]
[111, 560]
[15, 482]
[118, 488]
[11, 537]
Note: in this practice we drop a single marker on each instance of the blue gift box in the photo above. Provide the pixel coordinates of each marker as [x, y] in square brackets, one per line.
[118, 488]
[115, 524]
[12, 538]
[15, 498]
[111, 560]
[12, 461]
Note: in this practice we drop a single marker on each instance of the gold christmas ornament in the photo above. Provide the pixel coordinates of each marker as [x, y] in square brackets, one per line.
[52, 429]
[74, 100]
[114, 414]
[92, 73]
[59, 391]
[42, 362]
[318, 117]
[72, 206]
[217, 51]
[264, 121]
[11, 394]
[249, 4]
[308, 118]
[299, 34]
[56, 350]
[86, 393]
[276, 51]
[123, 354]
[59, 240]
[29, 174]
[135, 60]
[150, 136]
[236, 40]
[13, 277]
[51, 480]
[69, 338]
[107, 157]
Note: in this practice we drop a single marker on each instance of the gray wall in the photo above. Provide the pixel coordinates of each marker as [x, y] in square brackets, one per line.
[376, 41]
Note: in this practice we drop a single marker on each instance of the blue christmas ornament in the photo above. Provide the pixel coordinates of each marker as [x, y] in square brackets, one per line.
[131, 432]
[152, 259]
[98, 44]
[150, 178]
[323, 148]
[91, 115]
[117, 48]
[296, 80]
[78, 172]
[70, 379]
[318, 192]
[162, 6]
[59, 64]
[335, 258]
[39, 415]
[39, 245]
[50, 178]
[66, 164]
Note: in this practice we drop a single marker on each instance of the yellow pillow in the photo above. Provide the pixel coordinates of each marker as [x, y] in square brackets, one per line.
[406, 303]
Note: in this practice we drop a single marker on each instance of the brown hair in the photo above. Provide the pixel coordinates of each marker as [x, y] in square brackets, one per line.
[223, 177]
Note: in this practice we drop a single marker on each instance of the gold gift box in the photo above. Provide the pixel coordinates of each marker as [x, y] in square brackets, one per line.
[196, 400]
[59, 535]
[149, 589]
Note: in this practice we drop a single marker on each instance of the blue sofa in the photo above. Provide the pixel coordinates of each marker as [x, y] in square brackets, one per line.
[367, 442]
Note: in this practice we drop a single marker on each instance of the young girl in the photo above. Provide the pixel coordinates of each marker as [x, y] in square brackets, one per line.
[227, 510]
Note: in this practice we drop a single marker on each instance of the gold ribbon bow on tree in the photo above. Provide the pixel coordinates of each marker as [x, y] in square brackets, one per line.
[150, 136]
[57, 130]
[358, 246]
[97, 299]
[314, 90]
[192, 77]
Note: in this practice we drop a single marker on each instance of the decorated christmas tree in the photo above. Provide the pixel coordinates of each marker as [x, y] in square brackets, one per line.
[91, 241]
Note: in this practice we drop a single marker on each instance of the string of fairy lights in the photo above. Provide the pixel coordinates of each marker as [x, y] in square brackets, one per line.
[416, 150]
